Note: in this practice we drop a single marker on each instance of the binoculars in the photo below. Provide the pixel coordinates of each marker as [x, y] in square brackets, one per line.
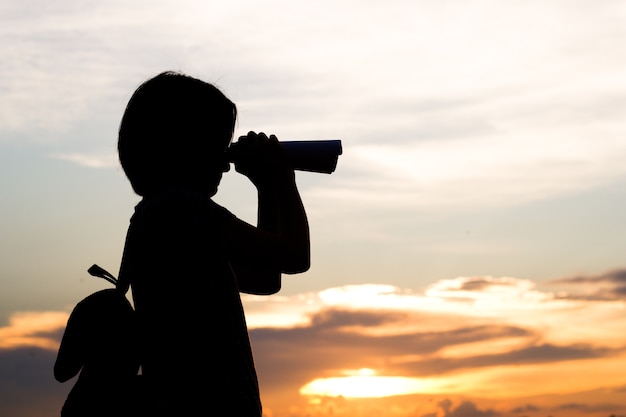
[305, 155]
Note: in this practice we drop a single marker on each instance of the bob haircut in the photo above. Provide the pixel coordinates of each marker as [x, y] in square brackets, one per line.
[174, 126]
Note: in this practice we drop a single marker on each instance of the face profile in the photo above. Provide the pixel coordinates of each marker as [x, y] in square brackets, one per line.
[174, 132]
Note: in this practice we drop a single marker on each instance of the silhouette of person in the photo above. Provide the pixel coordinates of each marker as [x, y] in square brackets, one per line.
[99, 341]
[187, 259]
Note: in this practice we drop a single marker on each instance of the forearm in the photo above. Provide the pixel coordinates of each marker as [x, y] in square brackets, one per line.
[282, 213]
[282, 246]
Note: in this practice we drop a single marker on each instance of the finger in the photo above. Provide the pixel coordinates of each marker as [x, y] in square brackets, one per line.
[249, 136]
[262, 137]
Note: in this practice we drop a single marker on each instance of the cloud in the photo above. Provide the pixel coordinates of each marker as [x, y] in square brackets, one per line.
[465, 409]
[337, 340]
[610, 285]
[33, 329]
[67, 64]
[340, 339]
[486, 287]
[589, 408]
[453, 336]
[333, 318]
[503, 169]
[616, 276]
[533, 354]
[528, 408]
[464, 328]
[108, 160]
[28, 345]
[435, 108]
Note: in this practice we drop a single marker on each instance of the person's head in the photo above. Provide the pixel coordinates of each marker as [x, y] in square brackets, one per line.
[174, 133]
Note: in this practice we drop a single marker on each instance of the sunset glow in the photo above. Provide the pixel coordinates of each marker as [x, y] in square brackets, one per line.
[365, 383]
[485, 337]
[33, 329]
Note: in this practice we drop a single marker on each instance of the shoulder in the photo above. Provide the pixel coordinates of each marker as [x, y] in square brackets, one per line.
[180, 205]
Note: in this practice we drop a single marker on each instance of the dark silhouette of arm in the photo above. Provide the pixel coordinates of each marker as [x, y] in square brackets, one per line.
[280, 242]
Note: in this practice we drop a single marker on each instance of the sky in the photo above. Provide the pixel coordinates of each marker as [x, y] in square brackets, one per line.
[467, 254]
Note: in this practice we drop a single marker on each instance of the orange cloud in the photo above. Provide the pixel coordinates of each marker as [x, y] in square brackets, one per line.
[33, 329]
[465, 346]
[483, 336]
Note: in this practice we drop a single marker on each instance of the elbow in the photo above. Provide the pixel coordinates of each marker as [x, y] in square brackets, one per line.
[272, 289]
[268, 289]
[260, 283]
[297, 263]
[301, 267]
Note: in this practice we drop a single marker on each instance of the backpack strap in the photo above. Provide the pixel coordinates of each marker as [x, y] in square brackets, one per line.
[123, 282]
[120, 284]
[100, 272]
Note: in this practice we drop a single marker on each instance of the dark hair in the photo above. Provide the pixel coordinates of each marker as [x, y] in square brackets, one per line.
[173, 125]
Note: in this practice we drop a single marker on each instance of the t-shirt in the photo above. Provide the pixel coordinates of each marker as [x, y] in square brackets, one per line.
[195, 352]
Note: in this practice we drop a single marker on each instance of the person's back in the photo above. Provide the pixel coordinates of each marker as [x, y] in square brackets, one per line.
[195, 343]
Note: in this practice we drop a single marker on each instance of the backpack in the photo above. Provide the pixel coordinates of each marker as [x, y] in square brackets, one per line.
[101, 343]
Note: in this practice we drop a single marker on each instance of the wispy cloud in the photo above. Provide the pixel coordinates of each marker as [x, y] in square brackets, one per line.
[464, 409]
[89, 160]
[436, 106]
[33, 329]
[610, 285]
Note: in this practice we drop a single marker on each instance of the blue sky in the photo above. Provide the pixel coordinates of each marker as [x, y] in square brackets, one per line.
[481, 138]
